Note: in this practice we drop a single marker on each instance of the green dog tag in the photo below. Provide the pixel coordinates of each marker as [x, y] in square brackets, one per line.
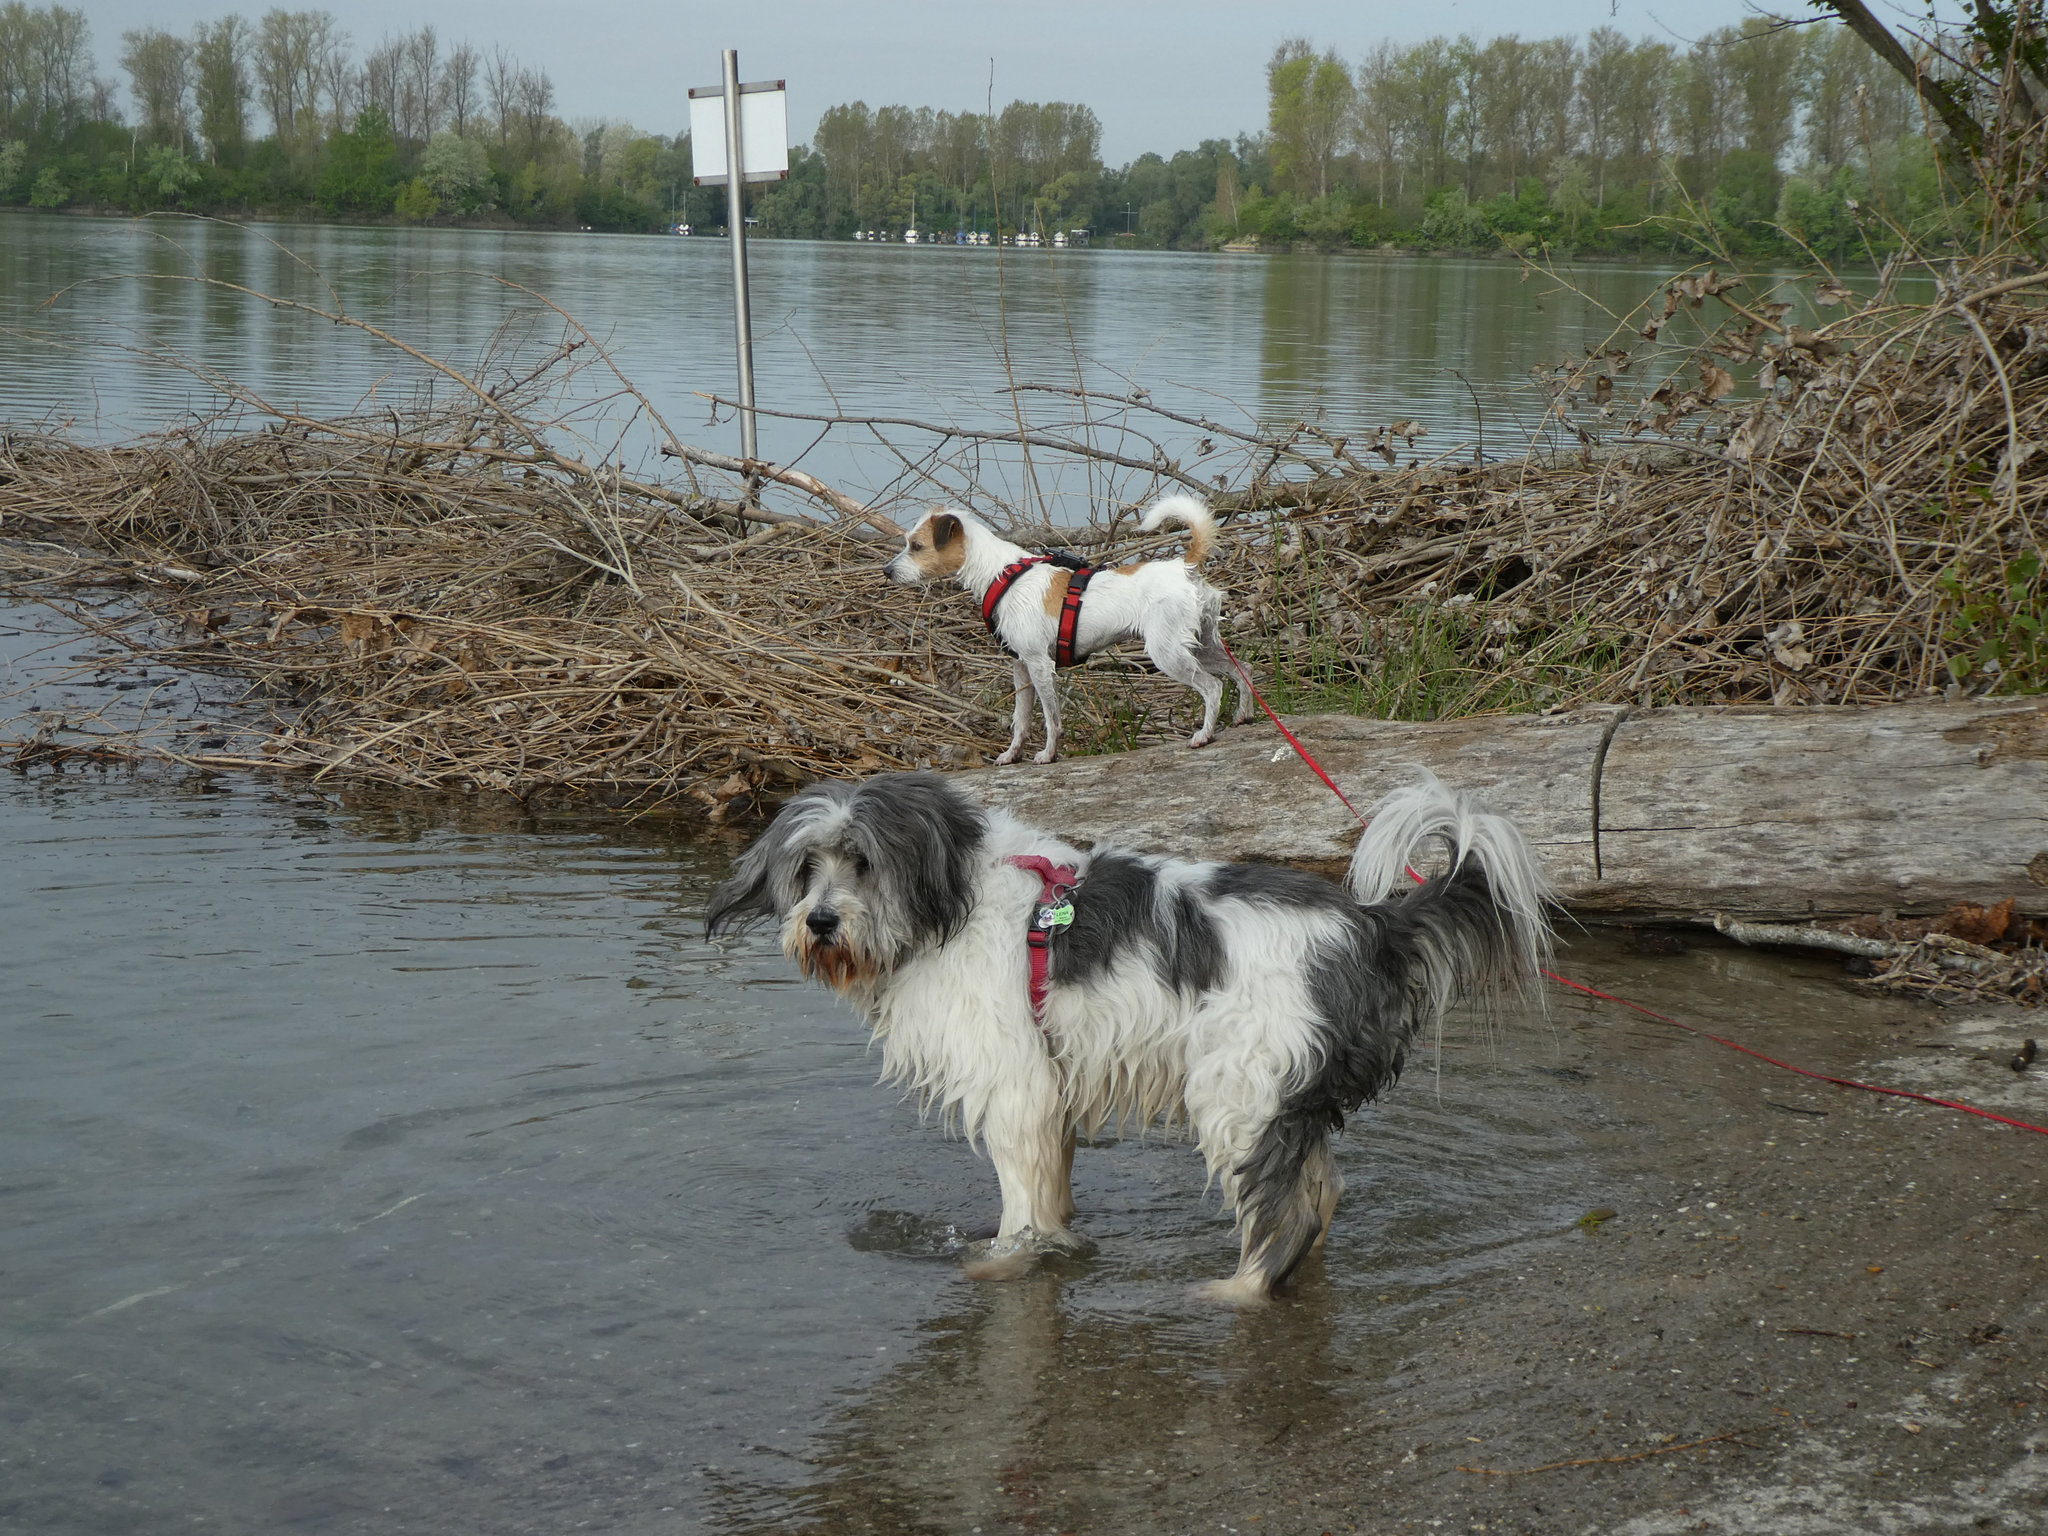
[1056, 917]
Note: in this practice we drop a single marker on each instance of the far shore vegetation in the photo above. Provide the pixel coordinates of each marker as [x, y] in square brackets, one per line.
[1784, 138]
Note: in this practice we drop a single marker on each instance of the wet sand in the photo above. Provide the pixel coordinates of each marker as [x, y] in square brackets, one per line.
[1815, 1310]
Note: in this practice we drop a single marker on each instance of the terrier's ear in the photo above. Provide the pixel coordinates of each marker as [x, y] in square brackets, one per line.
[945, 529]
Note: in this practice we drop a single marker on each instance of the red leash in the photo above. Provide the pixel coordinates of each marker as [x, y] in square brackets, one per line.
[1650, 1013]
[1839, 1082]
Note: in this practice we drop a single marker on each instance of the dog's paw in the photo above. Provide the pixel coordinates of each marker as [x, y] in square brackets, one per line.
[1007, 758]
[1246, 1294]
[1001, 1261]
[1047, 756]
[1201, 738]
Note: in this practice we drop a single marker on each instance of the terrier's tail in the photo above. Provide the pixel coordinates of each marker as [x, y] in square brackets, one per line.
[1191, 514]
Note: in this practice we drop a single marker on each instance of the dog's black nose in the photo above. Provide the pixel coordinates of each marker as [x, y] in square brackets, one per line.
[822, 924]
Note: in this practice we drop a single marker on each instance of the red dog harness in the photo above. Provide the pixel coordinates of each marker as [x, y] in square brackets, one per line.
[1078, 577]
[1054, 911]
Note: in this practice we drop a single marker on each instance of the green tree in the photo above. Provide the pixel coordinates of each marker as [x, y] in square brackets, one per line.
[49, 190]
[1818, 212]
[1452, 222]
[220, 87]
[362, 166]
[1746, 197]
[168, 174]
[1571, 195]
[1309, 100]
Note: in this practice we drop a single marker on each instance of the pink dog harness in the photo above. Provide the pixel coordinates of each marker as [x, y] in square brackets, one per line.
[1054, 911]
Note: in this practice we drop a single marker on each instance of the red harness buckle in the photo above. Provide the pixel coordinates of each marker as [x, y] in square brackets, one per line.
[1053, 911]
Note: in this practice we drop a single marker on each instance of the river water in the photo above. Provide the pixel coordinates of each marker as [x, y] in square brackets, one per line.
[113, 327]
[375, 1163]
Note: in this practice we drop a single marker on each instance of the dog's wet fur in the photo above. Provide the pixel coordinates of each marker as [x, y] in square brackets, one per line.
[1256, 1008]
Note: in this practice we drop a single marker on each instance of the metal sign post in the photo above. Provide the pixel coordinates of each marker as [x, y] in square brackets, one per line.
[740, 133]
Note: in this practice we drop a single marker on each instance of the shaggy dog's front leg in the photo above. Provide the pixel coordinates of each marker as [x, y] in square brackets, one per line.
[1027, 1140]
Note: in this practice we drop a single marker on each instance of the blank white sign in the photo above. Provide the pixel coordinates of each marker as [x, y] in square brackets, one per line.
[764, 134]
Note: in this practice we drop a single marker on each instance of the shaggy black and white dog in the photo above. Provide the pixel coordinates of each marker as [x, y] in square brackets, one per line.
[1254, 1006]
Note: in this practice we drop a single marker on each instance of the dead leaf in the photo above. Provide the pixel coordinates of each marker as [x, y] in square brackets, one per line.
[1817, 346]
[1716, 383]
[1977, 925]
[1786, 650]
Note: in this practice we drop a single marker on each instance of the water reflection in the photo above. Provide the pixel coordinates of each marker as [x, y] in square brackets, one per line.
[1083, 1396]
[937, 334]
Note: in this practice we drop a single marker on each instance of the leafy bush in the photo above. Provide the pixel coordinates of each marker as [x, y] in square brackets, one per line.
[49, 190]
[457, 171]
[416, 202]
[1449, 219]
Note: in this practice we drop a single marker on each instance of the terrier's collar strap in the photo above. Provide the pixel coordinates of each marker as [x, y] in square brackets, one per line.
[1053, 911]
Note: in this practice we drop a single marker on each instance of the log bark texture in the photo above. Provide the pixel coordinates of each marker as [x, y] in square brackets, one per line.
[1765, 814]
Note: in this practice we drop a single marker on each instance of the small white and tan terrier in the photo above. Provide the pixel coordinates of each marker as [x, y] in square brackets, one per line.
[1164, 603]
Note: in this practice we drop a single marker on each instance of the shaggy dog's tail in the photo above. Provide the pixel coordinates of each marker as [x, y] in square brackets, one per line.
[1483, 916]
[1477, 924]
[1191, 514]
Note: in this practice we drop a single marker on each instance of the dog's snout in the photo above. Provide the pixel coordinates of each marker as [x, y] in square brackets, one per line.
[823, 924]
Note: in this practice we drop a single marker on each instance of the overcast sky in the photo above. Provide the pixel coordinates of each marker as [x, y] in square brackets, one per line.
[1160, 76]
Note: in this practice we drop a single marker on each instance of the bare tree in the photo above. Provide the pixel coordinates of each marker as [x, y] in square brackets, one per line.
[459, 88]
[291, 53]
[1309, 97]
[1942, 97]
[1600, 88]
[380, 80]
[501, 90]
[336, 77]
[1553, 119]
[420, 86]
[1376, 116]
[1765, 66]
[534, 98]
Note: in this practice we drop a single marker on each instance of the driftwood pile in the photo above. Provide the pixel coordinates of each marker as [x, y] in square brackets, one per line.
[445, 598]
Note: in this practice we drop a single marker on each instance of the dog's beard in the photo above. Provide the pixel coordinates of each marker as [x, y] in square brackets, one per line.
[845, 962]
[840, 966]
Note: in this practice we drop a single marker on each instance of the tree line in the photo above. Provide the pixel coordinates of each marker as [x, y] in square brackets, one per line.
[281, 115]
[1775, 133]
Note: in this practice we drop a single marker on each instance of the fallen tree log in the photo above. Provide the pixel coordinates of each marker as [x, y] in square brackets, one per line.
[1663, 814]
